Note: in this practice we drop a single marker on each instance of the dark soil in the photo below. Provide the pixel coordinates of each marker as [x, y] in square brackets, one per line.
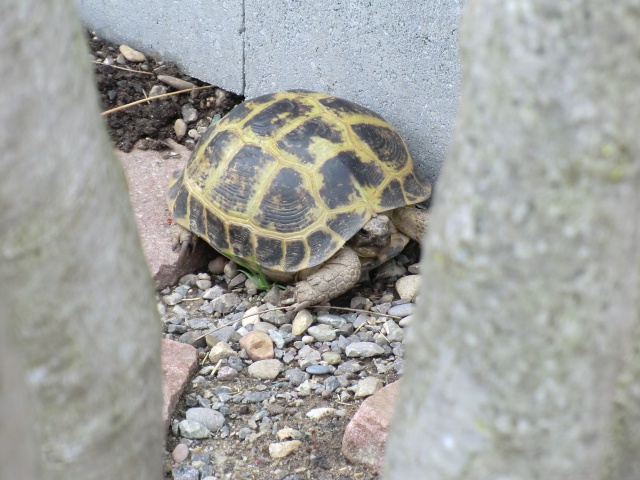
[121, 84]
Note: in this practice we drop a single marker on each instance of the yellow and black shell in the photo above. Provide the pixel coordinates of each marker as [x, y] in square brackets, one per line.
[285, 179]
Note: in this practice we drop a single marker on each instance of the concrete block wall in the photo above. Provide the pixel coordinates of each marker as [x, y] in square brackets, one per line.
[397, 58]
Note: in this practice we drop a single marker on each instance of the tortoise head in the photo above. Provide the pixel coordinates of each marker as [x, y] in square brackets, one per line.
[373, 238]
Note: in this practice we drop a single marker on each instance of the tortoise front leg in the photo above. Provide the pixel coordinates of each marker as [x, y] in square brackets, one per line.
[339, 274]
[181, 238]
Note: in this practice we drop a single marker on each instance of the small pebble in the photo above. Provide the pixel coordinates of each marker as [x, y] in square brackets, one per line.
[265, 369]
[283, 449]
[211, 419]
[227, 373]
[131, 54]
[319, 369]
[302, 321]
[180, 453]
[216, 266]
[406, 320]
[258, 345]
[185, 472]
[194, 430]
[363, 349]
[174, 82]
[219, 351]
[322, 333]
[318, 413]
[189, 113]
[288, 434]
[157, 90]
[408, 286]
[402, 310]
[367, 387]
[332, 358]
[393, 332]
[203, 284]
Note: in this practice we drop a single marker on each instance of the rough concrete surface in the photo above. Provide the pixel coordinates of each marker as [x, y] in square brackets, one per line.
[204, 37]
[397, 58]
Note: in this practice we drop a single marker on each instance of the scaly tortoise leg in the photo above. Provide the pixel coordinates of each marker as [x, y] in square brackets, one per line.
[339, 274]
[411, 221]
[181, 238]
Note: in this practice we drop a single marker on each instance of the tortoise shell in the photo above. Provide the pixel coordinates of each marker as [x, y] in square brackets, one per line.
[285, 179]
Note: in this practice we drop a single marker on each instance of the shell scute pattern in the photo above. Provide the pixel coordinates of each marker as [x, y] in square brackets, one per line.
[285, 179]
[287, 205]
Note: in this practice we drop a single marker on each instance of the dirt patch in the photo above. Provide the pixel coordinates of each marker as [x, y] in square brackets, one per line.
[121, 82]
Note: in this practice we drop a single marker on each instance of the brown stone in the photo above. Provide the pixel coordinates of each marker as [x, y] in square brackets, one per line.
[258, 345]
[149, 174]
[179, 362]
[365, 437]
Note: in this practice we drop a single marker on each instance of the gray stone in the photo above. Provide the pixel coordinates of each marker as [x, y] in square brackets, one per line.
[322, 333]
[193, 430]
[177, 329]
[172, 299]
[331, 383]
[332, 358]
[296, 376]
[350, 366]
[193, 338]
[278, 339]
[272, 296]
[275, 317]
[335, 321]
[223, 334]
[264, 327]
[236, 363]
[402, 310]
[367, 387]
[393, 332]
[257, 397]
[157, 90]
[320, 369]
[213, 292]
[219, 351]
[407, 320]
[363, 349]
[189, 113]
[185, 472]
[203, 284]
[390, 269]
[198, 323]
[238, 279]
[226, 303]
[211, 419]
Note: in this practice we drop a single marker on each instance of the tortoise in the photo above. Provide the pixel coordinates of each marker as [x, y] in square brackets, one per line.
[303, 187]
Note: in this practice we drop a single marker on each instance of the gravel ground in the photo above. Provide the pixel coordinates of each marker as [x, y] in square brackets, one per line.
[275, 391]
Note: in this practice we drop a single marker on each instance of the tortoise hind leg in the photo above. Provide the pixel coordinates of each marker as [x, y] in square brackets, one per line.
[339, 274]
